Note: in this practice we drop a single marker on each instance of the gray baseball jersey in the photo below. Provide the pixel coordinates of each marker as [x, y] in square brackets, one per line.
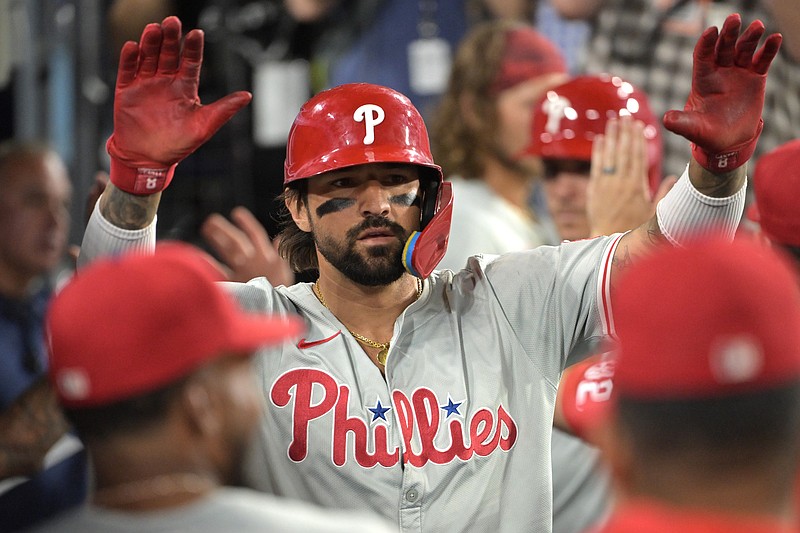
[457, 435]
[224, 510]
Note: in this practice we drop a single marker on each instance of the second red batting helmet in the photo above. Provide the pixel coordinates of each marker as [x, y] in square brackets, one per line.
[568, 117]
[362, 123]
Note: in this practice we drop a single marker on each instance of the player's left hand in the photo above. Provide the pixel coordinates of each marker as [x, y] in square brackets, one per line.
[618, 197]
[158, 117]
[245, 248]
[722, 116]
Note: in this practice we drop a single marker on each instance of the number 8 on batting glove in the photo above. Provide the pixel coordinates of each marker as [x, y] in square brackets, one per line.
[722, 117]
[158, 117]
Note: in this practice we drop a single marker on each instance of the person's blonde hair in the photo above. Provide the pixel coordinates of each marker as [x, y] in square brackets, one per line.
[460, 141]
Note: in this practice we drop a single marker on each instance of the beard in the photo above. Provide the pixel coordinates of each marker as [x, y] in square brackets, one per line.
[382, 265]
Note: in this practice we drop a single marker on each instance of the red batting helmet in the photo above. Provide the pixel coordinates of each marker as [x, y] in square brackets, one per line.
[362, 123]
[568, 117]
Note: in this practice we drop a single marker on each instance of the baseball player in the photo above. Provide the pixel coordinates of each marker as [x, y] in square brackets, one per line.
[426, 396]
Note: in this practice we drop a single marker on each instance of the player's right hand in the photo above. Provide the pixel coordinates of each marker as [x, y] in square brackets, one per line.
[158, 117]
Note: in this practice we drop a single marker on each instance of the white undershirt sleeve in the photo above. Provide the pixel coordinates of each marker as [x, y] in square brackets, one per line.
[102, 238]
[686, 213]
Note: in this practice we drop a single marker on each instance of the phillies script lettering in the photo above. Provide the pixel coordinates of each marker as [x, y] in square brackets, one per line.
[420, 413]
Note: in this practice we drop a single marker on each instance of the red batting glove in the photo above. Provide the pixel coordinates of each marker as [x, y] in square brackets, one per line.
[722, 117]
[158, 118]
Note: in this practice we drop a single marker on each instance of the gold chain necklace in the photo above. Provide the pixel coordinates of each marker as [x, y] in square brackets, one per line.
[383, 347]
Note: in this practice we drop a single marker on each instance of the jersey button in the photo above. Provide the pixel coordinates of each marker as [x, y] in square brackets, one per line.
[412, 495]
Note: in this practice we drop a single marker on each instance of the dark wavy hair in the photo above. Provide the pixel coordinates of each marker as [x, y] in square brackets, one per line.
[295, 246]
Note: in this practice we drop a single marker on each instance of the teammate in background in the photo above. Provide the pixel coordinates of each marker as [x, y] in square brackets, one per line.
[622, 170]
[427, 396]
[167, 407]
[35, 194]
[777, 189]
[482, 123]
[703, 426]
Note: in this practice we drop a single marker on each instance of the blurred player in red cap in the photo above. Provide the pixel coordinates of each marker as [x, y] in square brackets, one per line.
[777, 190]
[702, 431]
[167, 407]
[776, 209]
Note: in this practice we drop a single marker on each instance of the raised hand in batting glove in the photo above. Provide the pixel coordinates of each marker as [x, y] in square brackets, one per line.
[722, 117]
[158, 117]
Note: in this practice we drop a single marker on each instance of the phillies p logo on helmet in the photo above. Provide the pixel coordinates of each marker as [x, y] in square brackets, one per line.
[371, 115]
[338, 128]
[554, 108]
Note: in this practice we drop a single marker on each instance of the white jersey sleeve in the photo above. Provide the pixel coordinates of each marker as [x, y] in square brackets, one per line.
[553, 295]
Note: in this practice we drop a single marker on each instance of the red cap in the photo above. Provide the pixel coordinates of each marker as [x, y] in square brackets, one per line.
[528, 54]
[777, 187]
[707, 320]
[130, 325]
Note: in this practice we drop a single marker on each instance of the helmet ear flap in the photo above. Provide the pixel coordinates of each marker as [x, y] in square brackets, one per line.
[425, 249]
[429, 197]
